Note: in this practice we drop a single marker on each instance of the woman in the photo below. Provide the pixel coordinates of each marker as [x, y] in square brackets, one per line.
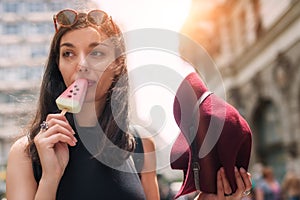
[268, 188]
[56, 162]
[291, 186]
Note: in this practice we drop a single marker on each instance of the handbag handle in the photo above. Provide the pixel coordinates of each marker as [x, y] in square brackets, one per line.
[192, 131]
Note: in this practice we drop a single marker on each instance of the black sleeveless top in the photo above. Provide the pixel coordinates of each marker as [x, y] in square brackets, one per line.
[87, 178]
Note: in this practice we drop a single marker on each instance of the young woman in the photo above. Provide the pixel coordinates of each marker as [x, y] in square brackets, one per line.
[64, 159]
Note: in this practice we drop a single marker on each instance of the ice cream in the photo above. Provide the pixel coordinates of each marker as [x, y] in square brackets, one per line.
[72, 98]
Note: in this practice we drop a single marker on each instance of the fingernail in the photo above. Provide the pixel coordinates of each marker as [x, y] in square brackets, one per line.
[223, 170]
[219, 174]
[242, 170]
[235, 169]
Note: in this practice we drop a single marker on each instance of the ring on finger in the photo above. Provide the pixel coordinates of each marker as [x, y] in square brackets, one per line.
[44, 126]
[227, 195]
[246, 193]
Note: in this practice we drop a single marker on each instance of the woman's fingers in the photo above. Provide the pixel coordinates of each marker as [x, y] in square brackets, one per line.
[247, 181]
[57, 126]
[53, 119]
[243, 181]
[56, 116]
[53, 139]
[226, 185]
[240, 183]
[55, 130]
[220, 187]
[50, 141]
[246, 178]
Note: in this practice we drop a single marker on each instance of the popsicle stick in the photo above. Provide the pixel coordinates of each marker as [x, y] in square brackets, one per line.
[64, 111]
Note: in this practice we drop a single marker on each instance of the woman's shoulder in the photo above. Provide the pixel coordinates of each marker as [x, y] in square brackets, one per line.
[18, 148]
[20, 143]
[19, 174]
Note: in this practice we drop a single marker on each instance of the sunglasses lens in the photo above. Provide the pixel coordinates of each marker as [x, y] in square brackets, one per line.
[66, 17]
[97, 17]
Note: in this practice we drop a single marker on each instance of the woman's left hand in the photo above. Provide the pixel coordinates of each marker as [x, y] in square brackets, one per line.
[243, 180]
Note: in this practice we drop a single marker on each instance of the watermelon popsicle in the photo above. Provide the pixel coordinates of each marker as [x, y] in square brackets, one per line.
[72, 98]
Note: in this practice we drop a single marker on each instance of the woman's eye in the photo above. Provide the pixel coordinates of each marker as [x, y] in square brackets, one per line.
[67, 54]
[96, 53]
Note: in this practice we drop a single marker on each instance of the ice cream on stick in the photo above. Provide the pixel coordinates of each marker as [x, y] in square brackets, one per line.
[72, 98]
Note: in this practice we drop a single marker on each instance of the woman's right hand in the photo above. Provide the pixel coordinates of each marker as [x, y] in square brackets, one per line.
[243, 180]
[52, 146]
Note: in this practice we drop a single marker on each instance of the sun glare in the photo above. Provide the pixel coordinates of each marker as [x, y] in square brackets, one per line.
[151, 102]
[134, 14]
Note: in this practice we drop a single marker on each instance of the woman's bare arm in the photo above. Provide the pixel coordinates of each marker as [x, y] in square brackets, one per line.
[148, 174]
[20, 182]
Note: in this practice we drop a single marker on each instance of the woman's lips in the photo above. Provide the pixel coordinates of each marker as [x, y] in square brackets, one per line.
[91, 83]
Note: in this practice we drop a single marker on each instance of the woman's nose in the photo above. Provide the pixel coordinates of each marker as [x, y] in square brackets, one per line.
[83, 64]
[83, 69]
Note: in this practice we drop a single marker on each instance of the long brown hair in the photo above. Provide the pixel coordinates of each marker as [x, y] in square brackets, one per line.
[53, 85]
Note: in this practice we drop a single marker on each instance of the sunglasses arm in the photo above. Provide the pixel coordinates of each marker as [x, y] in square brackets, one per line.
[55, 24]
[113, 24]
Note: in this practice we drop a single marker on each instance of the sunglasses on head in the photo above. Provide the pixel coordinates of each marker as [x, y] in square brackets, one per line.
[68, 17]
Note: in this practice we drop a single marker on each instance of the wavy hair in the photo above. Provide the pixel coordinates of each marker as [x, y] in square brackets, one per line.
[53, 85]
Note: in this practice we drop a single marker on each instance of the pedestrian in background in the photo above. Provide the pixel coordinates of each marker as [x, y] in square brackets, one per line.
[291, 186]
[268, 188]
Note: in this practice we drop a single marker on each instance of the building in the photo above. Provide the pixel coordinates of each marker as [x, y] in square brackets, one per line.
[256, 46]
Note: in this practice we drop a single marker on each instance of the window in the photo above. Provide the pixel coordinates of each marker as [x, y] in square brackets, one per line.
[9, 120]
[11, 29]
[55, 6]
[40, 28]
[1, 120]
[11, 51]
[21, 73]
[35, 73]
[269, 124]
[36, 7]
[38, 50]
[3, 51]
[18, 96]
[269, 137]
[36, 28]
[4, 97]
[11, 7]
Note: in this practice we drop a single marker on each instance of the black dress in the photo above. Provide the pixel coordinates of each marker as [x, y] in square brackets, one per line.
[85, 177]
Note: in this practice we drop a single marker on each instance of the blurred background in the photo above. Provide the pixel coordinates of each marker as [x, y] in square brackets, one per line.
[254, 43]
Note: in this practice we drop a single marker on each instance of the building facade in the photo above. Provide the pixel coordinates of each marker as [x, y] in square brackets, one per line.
[256, 46]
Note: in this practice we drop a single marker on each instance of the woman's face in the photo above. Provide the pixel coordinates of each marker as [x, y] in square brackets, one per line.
[87, 53]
